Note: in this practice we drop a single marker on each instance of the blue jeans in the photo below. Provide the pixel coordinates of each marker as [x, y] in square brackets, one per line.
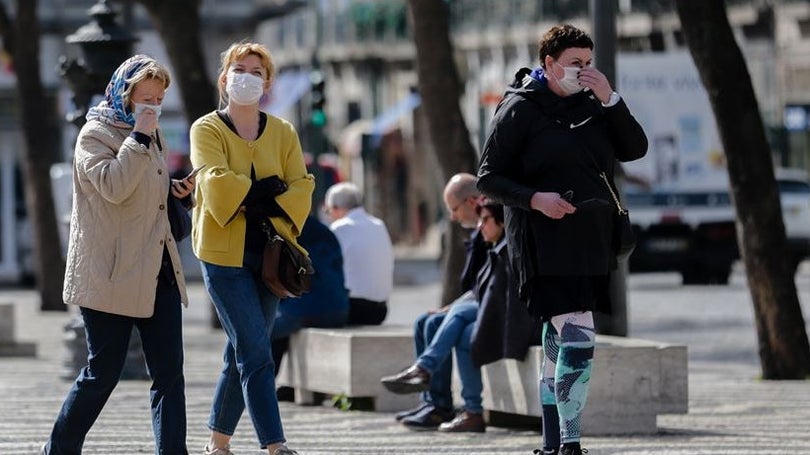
[440, 394]
[455, 331]
[107, 343]
[246, 310]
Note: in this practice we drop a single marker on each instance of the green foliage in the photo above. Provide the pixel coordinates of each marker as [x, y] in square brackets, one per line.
[342, 402]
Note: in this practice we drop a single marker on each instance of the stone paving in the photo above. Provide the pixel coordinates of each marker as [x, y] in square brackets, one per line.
[730, 410]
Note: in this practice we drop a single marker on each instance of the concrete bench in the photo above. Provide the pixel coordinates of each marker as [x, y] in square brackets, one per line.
[633, 381]
[349, 361]
[9, 346]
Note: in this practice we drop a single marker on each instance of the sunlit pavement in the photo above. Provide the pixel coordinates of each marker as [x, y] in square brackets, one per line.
[731, 411]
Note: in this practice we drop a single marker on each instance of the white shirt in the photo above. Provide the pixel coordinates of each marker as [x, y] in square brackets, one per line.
[368, 256]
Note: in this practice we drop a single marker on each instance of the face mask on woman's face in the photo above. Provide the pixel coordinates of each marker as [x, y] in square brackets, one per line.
[244, 88]
[569, 83]
[140, 107]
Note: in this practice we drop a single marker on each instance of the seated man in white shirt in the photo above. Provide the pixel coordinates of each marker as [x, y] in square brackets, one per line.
[368, 256]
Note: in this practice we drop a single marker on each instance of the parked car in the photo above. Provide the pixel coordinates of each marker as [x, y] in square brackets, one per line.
[692, 230]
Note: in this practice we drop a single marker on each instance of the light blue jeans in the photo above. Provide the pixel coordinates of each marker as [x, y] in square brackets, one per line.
[440, 394]
[456, 331]
[246, 310]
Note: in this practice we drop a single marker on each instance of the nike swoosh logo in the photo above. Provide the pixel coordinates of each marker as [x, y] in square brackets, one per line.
[577, 125]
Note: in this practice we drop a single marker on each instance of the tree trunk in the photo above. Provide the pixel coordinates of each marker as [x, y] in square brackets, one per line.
[41, 132]
[441, 89]
[783, 345]
[178, 23]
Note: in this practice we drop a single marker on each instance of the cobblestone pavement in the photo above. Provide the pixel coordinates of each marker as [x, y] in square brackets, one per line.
[731, 411]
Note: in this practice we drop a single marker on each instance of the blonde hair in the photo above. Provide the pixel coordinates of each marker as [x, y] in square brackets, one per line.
[151, 70]
[239, 51]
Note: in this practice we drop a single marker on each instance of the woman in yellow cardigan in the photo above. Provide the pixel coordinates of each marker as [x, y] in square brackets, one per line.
[254, 172]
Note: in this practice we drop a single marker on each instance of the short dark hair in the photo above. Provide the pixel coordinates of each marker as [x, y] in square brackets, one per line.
[494, 208]
[560, 38]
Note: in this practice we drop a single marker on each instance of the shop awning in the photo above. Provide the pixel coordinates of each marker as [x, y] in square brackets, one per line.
[288, 88]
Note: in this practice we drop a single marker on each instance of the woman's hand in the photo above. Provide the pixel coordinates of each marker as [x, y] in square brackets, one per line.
[552, 205]
[184, 187]
[593, 79]
[146, 122]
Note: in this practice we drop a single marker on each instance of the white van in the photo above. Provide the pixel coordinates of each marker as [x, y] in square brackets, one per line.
[692, 229]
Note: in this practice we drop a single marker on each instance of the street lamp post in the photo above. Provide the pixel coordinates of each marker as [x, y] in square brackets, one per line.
[103, 45]
[603, 16]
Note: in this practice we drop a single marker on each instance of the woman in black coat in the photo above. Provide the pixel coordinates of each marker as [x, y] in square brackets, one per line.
[549, 159]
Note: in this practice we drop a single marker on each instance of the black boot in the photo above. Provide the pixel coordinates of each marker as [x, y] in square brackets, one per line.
[572, 448]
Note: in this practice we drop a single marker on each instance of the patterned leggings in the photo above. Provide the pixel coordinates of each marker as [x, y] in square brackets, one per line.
[568, 341]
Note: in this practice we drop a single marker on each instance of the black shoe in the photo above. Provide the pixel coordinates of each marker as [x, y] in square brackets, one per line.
[572, 448]
[429, 419]
[411, 380]
[544, 452]
[410, 412]
[285, 393]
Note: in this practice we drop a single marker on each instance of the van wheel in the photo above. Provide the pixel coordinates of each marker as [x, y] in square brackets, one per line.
[702, 274]
[694, 276]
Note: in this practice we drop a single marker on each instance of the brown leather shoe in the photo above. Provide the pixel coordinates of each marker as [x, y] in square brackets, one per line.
[414, 379]
[465, 422]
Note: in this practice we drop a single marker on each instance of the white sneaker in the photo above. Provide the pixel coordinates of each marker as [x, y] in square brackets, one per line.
[217, 451]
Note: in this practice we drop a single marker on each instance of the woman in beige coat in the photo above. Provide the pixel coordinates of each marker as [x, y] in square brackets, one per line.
[123, 268]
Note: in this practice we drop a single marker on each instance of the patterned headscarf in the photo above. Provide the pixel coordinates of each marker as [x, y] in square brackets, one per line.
[112, 109]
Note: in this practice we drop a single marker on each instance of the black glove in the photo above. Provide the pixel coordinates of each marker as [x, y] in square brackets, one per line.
[265, 189]
[264, 210]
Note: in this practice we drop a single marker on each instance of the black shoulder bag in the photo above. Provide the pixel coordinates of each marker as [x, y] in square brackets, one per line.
[624, 238]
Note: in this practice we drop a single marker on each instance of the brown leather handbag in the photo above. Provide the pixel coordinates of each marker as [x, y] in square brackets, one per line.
[286, 271]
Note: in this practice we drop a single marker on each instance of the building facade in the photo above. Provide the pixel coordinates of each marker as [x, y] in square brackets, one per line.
[364, 49]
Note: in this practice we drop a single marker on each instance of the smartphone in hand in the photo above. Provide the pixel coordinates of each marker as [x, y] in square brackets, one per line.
[194, 172]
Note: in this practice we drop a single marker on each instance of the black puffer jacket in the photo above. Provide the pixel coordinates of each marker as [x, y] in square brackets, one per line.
[540, 142]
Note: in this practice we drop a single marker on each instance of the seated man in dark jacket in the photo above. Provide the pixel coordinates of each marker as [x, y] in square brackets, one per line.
[436, 407]
[500, 328]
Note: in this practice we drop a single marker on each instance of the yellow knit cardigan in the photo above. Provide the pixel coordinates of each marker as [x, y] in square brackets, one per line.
[218, 232]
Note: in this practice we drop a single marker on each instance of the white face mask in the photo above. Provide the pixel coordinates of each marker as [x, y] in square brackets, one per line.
[569, 83]
[244, 88]
[139, 107]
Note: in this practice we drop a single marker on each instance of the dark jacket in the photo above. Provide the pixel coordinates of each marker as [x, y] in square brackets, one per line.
[328, 294]
[539, 141]
[503, 328]
[476, 255]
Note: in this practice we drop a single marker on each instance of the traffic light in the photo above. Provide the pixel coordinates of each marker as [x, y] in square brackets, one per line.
[317, 98]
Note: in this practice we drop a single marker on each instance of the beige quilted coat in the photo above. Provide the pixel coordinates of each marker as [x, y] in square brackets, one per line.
[118, 226]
